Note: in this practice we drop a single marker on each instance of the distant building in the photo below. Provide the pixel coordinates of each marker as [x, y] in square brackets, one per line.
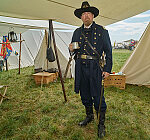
[119, 46]
[127, 44]
[130, 44]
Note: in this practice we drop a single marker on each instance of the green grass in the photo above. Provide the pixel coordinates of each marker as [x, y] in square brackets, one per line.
[119, 58]
[35, 112]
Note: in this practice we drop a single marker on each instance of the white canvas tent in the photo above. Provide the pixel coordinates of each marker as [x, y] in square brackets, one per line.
[22, 25]
[62, 41]
[137, 67]
[111, 11]
[33, 40]
[29, 49]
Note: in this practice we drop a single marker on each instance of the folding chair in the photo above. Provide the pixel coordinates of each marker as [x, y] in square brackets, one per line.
[2, 96]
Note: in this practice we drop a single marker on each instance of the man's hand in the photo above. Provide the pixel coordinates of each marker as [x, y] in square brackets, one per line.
[105, 74]
[71, 47]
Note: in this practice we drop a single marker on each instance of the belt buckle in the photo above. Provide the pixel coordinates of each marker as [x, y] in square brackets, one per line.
[83, 56]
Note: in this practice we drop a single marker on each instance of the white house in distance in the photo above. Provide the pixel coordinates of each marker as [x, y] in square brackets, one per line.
[127, 44]
[119, 45]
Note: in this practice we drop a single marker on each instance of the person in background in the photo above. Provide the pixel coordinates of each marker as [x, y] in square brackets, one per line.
[88, 74]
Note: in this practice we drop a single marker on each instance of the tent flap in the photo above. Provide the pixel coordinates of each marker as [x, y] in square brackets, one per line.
[137, 68]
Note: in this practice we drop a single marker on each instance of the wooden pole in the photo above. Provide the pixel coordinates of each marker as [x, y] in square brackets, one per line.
[67, 68]
[6, 65]
[3, 96]
[46, 45]
[60, 74]
[20, 55]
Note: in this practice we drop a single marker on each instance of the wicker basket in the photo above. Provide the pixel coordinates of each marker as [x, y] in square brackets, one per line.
[115, 80]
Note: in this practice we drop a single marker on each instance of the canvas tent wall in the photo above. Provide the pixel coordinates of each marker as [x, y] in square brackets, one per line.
[62, 41]
[111, 11]
[29, 49]
[22, 25]
[34, 50]
[137, 67]
[33, 38]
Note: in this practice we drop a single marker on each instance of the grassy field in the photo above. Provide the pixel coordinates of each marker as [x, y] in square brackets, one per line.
[35, 112]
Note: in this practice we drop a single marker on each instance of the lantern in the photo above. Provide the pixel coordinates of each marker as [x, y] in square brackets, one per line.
[12, 36]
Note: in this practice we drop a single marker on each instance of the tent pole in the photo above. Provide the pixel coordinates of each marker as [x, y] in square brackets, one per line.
[6, 65]
[47, 46]
[60, 74]
[19, 54]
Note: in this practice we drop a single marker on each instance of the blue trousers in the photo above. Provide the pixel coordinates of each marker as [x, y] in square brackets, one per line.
[88, 87]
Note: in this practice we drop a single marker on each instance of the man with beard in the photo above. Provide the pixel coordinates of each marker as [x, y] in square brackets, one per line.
[93, 40]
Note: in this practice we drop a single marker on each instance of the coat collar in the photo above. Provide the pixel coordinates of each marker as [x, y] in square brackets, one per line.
[91, 27]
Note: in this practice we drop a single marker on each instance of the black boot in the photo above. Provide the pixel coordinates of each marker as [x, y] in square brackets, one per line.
[101, 126]
[89, 116]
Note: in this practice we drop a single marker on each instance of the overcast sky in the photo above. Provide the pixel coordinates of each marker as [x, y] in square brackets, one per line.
[131, 28]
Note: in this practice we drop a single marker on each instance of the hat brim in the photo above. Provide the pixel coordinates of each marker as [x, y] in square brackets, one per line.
[93, 10]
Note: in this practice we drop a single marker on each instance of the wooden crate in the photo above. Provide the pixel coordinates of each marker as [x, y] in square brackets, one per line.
[115, 80]
[56, 76]
[44, 77]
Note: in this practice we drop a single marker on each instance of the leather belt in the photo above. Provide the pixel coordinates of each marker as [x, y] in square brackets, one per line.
[87, 57]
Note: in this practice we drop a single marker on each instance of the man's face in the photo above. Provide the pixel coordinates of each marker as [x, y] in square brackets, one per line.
[87, 18]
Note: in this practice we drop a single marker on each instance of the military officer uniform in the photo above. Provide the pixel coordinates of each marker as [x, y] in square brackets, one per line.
[88, 74]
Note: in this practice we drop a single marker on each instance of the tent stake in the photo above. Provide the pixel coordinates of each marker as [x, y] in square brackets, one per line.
[60, 74]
